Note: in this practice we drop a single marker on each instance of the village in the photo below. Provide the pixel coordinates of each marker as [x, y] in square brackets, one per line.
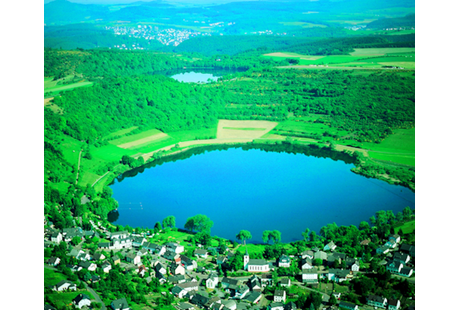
[166, 36]
[194, 276]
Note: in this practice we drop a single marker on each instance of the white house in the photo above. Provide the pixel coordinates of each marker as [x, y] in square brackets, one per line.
[398, 268]
[280, 296]
[306, 263]
[330, 246]
[284, 261]
[189, 286]
[337, 275]
[255, 265]
[402, 258]
[119, 235]
[177, 269]
[159, 268]
[377, 301]
[133, 258]
[56, 237]
[121, 243]
[212, 280]
[175, 247]
[307, 254]
[395, 237]
[81, 300]
[65, 285]
[106, 267]
[320, 255]
[53, 261]
[285, 282]
[394, 304]
[138, 241]
[310, 276]
[88, 265]
[276, 306]
[199, 253]
[179, 292]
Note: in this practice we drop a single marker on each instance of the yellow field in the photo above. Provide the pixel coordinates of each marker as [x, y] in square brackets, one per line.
[306, 57]
[151, 138]
[245, 132]
[381, 51]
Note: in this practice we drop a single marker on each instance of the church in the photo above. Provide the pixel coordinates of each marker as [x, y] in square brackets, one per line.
[255, 265]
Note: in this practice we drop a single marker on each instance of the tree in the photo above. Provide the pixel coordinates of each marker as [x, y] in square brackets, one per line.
[332, 300]
[364, 225]
[200, 223]
[407, 213]
[313, 236]
[305, 234]
[169, 221]
[157, 227]
[244, 235]
[76, 240]
[271, 235]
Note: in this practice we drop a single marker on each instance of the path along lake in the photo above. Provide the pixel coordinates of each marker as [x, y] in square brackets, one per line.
[255, 190]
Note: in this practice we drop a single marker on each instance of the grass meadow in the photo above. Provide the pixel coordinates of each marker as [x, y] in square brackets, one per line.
[360, 58]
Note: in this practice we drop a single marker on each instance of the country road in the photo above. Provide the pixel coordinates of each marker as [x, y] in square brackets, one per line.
[78, 169]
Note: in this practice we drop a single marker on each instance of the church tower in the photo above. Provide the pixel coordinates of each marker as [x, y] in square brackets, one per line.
[246, 260]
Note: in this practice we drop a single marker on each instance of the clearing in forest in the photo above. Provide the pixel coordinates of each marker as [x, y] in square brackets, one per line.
[231, 129]
[139, 142]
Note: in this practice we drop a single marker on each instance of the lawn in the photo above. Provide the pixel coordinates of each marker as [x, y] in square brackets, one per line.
[120, 132]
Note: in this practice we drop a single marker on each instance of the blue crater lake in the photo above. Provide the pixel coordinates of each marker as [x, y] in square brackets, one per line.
[255, 190]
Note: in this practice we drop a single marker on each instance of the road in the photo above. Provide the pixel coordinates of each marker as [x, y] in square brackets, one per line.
[78, 169]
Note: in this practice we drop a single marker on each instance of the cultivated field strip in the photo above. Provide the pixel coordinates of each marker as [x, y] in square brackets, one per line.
[259, 128]
[143, 140]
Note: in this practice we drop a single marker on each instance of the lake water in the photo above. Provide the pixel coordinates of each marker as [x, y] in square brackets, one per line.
[199, 75]
[255, 190]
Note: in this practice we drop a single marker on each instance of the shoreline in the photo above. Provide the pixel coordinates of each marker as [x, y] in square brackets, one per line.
[191, 144]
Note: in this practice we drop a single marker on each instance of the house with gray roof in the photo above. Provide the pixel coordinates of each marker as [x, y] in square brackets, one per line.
[81, 300]
[376, 301]
[276, 306]
[119, 304]
[279, 296]
[347, 305]
[253, 297]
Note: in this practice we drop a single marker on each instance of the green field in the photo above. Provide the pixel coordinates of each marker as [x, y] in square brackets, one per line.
[360, 58]
[91, 170]
[303, 24]
[52, 277]
[398, 147]
[305, 125]
[407, 227]
[53, 87]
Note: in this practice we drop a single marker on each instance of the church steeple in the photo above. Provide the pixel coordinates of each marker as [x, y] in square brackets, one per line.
[246, 259]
